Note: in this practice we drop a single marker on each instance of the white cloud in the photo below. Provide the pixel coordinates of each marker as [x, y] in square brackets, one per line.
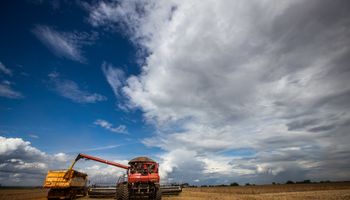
[61, 157]
[5, 86]
[34, 136]
[106, 125]
[228, 75]
[12, 145]
[70, 89]
[102, 148]
[5, 70]
[65, 44]
[115, 77]
[7, 91]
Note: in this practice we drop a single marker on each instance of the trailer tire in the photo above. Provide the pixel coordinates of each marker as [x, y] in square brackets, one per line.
[52, 194]
[123, 192]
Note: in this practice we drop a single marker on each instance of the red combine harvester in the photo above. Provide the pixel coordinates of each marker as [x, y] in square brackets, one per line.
[142, 179]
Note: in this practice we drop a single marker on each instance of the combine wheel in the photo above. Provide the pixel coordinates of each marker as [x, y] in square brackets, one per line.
[159, 194]
[123, 192]
[117, 195]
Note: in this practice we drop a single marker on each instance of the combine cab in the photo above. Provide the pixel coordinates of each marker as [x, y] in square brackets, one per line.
[66, 184]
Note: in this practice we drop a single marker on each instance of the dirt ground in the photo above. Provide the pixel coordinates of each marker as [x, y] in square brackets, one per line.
[331, 191]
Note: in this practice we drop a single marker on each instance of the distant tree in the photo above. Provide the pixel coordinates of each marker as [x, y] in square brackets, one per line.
[289, 182]
[306, 181]
[204, 186]
[184, 185]
[247, 184]
[222, 185]
[273, 183]
[234, 184]
[327, 181]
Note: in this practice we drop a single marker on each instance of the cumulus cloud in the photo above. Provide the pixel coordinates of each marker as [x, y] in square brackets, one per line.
[228, 75]
[29, 164]
[70, 90]
[65, 44]
[108, 126]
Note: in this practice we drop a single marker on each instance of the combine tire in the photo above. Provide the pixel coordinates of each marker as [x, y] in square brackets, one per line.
[123, 192]
[159, 194]
[117, 195]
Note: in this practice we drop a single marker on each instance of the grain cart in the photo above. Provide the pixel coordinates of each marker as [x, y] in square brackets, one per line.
[141, 181]
[66, 184]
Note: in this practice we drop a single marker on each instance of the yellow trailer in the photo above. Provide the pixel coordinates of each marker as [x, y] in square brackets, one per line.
[65, 184]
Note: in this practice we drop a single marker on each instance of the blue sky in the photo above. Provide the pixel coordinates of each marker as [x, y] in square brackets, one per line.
[216, 92]
[62, 124]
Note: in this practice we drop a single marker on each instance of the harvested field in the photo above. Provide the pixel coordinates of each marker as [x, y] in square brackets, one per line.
[19, 194]
[297, 191]
[332, 191]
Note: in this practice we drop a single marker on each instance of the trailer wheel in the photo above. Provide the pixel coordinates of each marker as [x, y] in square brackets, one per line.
[72, 193]
[123, 192]
[51, 195]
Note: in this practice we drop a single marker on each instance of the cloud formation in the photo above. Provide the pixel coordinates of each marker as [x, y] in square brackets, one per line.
[115, 77]
[65, 44]
[5, 86]
[70, 90]
[108, 126]
[225, 76]
[23, 164]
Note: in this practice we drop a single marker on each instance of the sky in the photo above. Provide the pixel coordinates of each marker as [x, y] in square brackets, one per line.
[215, 91]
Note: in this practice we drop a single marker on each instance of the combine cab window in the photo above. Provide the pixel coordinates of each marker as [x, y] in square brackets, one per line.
[143, 168]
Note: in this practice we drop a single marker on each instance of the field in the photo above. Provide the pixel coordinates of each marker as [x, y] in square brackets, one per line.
[332, 191]
[22, 193]
[297, 191]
